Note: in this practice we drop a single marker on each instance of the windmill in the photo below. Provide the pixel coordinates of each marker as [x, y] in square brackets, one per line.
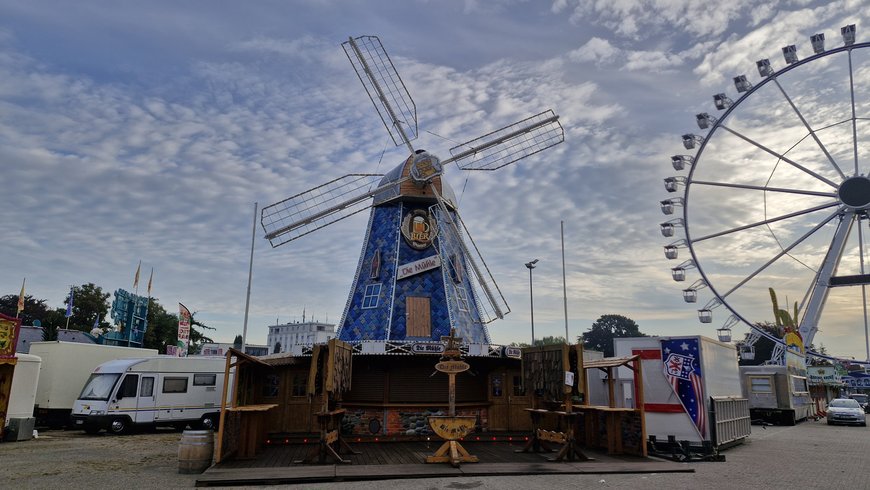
[420, 273]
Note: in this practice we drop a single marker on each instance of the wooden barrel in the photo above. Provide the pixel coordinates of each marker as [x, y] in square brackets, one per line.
[195, 451]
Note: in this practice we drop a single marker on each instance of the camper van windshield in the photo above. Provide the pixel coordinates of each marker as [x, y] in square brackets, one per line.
[99, 386]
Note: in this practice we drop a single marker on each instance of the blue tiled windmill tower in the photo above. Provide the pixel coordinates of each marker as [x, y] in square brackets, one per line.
[419, 273]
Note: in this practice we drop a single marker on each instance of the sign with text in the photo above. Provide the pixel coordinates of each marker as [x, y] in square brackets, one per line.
[824, 375]
[513, 352]
[452, 366]
[418, 266]
[427, 348]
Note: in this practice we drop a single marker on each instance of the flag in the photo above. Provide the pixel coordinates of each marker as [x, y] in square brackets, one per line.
[97, 321]
[136, 279]
[21, 297]
[682, 369]
[150, 278]
[69, 304]
[183, 330]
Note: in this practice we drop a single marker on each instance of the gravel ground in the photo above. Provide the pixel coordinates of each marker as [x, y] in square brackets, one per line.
[810, 455]
[73, 459]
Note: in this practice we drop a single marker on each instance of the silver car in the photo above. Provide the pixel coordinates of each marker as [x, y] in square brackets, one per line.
[846, 411]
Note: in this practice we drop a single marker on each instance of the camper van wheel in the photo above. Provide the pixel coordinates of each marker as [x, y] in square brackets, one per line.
[119, 426]
[208, 422]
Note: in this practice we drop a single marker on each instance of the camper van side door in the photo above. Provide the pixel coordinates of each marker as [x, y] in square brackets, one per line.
[145, 408]
[125, 398]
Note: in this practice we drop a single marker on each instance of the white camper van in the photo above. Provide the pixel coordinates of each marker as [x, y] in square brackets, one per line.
[161, 390]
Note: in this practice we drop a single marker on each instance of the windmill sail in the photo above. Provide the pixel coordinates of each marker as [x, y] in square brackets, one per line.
[385, 87]
[487, 297]
[321, 206]
[502, 147]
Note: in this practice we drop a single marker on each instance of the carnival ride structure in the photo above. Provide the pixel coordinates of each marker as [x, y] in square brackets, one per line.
[777, 195]
[419, 273]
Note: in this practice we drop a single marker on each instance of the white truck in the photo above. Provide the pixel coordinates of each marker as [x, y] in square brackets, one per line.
[65, 368]
[693, 404]
[160, 390]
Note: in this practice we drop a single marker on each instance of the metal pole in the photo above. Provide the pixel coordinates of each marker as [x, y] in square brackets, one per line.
[532, 303]
[564, 284]
[250, 276]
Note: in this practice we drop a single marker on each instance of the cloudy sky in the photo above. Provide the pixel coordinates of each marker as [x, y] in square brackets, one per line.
[147, 130]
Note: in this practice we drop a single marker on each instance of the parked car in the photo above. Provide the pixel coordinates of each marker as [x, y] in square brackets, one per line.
[861, 398]
[846, 411]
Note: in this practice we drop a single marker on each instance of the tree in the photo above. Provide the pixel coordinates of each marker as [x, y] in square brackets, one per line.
[162, 327]
[237, 342]
[197, 337]
[34, 309]
[608, 327]
[548, 340]
[53, 320]
[89, 303]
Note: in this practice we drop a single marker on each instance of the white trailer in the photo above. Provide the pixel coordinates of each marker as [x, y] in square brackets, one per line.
[65, 368]
[19, 415]
[777, 394]
[692, 395]
[161, 390]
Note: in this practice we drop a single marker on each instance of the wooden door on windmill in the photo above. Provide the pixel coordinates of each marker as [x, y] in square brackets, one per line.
[499, 399]
[418, 317]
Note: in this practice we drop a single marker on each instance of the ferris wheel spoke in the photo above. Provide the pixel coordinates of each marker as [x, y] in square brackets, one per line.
[863, 287]
[855, 138]
[767, 221]
[764, 188]
[807, 125]
[781, 157]
[785, 251]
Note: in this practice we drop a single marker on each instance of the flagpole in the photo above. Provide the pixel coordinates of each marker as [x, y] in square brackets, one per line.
[250, 277]
[564, 284]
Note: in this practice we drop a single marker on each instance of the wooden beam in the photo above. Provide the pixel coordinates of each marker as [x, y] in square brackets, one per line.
[221, 424]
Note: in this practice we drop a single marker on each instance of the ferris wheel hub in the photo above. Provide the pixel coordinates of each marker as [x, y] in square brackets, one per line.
[854, 192]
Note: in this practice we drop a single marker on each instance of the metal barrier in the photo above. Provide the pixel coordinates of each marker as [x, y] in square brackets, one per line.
[731, 420]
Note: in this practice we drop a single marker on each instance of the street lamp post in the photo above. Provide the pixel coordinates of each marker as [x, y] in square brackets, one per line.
[530, 266]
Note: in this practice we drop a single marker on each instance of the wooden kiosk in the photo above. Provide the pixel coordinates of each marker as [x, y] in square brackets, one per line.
[555, 374]
[621, 430]
[242, 429]
[329, 377]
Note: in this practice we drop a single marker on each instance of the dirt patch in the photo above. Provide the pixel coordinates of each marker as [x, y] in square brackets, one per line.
[72, 459]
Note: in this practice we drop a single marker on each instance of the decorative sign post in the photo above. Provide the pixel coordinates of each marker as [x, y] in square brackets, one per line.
[452, 427]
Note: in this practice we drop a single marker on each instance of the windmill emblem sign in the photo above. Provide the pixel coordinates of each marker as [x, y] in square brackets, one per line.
[414, 231]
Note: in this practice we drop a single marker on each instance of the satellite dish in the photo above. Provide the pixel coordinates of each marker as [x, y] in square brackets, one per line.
[37, 323]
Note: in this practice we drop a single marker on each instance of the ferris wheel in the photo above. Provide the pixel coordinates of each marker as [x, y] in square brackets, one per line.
[776, 195]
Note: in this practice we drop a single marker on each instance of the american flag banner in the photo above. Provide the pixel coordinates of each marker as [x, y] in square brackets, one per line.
[682, 369]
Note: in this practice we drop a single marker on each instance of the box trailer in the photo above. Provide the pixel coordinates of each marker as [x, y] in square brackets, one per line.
[19, 415]
[777, 394]
[161, 390]
[693, 404]
[65, 368]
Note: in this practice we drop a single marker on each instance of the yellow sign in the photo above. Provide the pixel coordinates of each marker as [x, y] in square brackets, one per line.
[452, 366]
